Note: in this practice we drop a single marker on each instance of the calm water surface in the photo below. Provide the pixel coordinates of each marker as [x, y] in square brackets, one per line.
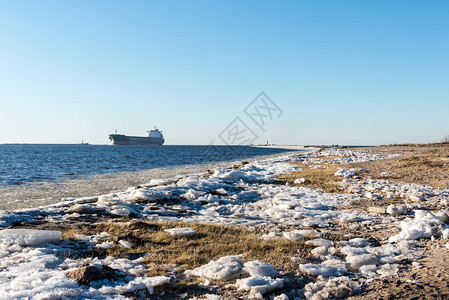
[22, 164]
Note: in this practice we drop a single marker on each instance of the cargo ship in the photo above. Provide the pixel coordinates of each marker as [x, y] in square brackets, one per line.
[154, 137]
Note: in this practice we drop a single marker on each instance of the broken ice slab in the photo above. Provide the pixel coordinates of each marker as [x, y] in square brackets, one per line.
[181, 231]
[29, 237]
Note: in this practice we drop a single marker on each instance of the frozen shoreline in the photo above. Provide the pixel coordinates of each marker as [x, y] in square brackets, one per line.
[47, 193]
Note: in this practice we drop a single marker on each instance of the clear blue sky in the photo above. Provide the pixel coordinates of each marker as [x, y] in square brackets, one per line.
[343, 72]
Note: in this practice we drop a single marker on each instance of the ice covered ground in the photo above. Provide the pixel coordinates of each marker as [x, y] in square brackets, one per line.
[249, 196]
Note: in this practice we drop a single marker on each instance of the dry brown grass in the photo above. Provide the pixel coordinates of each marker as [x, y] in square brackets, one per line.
[430, 167]
[319, 178]
[441, 144]
[210, 242]
[421, 165]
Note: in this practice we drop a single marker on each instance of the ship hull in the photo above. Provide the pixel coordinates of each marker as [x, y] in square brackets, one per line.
[120, 139]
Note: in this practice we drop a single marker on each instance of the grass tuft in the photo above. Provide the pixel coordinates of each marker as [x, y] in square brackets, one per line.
[318, 178]
[164, 252]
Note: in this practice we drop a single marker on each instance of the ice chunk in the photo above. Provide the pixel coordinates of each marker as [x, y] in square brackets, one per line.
[181, 231]
[414, 230]
[350, 251]
[424, 215]
[140, 283]
[442, 216]
[212, 199]
[372, 196]
[120, 210]
[368, 270]
[335, 288]
[225, 268]
[108, 200]
[344, 173]
[125, 244]
[154, 182]
[29, 237]
[82, 237]
[211, 211]
[221, 191]
[323, 270]
[322, 250]
[209, 198]
[269, 236]
[190, 182]
[229, 174]
[445, 233]
[388, 270]
[104, 245]
[317, 167]
[281, 297]
[335, 262]
[417, 198]
[145, 194]
[257, 268]
[294, 235]
[358, 261]
[83, 208]
[358, 242]
[394, 209]
[308, 233]
[388, 259]
[192, 194]
[300, 180]
[257, 286]
[320, 242]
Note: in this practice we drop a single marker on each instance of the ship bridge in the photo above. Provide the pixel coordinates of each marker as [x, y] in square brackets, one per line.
[155, 133]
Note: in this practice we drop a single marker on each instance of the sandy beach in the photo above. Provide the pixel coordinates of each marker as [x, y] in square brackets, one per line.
[368, 223]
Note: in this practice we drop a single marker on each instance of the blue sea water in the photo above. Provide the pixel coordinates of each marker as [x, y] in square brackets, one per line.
[21, 164]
